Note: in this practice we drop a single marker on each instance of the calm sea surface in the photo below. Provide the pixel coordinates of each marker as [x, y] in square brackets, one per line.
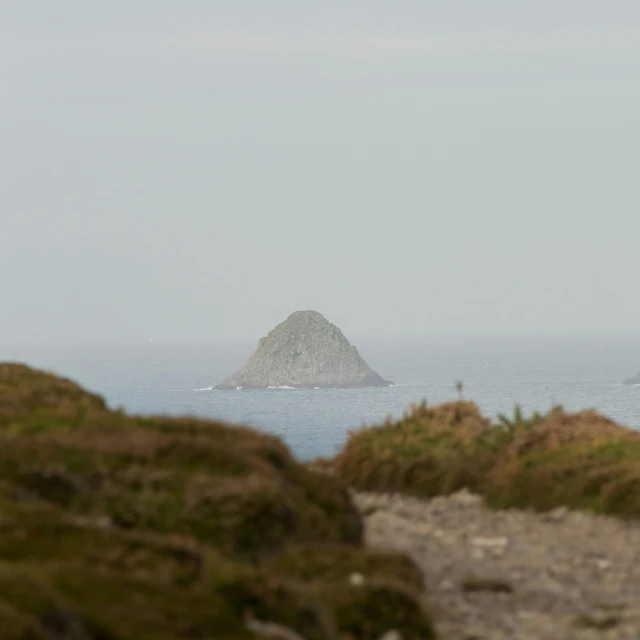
[497, 374]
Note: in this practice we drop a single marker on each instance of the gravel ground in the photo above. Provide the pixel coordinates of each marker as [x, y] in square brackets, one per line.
[493, 575]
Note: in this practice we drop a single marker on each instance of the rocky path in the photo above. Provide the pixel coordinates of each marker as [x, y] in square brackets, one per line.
[515, 574]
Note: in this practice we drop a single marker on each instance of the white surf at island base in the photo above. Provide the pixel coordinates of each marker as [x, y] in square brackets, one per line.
[497, 374]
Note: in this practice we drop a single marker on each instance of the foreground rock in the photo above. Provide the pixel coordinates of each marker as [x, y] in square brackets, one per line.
[304, 351]
[493, 575]
[116, 527]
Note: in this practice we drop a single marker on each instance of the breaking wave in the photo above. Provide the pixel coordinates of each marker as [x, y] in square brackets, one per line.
[283, 386]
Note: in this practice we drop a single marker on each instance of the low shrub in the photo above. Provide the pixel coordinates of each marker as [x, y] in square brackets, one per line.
[429, 451]
[582, 460]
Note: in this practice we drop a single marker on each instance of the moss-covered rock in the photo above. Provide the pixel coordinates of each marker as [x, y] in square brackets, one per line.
[116, 527]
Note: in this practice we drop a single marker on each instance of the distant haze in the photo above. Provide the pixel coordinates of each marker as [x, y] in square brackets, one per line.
[201, 170]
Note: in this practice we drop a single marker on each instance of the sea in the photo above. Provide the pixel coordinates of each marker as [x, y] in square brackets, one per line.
[496, 372]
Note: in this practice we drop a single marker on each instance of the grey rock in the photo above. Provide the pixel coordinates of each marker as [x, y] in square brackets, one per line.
[304, 351]
[272, 630]
[356, 579]
[556, 515]
[599, 620]
[633, 380]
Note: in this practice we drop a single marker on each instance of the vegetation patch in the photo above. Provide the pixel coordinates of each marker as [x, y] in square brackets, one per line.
[582, 460]
[430, 451]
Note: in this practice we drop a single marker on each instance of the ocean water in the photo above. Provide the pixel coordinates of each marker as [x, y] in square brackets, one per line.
[497, 373]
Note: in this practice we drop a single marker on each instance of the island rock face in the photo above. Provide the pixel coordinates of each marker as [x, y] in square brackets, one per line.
[633, 380]
[304, 351]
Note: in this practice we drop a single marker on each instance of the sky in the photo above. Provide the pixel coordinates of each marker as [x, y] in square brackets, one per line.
[201, 170]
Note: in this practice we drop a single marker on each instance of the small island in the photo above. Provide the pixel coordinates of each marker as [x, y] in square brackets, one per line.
[305, 351]
[633, 380]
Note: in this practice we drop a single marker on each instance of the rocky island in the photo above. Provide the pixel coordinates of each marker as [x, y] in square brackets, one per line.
[305, 351]
[633, 380]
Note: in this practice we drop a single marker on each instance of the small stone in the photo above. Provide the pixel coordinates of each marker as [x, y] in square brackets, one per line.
[493, 584]
[601, 620]
[356, 579]
[549, 585]
[482, 634]
[557, 515]
[392, 634]
[611, 605]
[272, 630]
[467, 499]
[490, 542]
[495, 546]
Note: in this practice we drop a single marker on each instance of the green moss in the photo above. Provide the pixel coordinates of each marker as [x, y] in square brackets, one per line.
[367, 592]
[366, 612]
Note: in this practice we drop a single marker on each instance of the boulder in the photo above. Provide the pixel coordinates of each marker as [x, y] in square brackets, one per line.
[304, 351]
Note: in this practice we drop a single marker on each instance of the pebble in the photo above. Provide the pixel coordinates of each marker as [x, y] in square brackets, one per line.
[356, 579]
[557, 515]
[272, 630]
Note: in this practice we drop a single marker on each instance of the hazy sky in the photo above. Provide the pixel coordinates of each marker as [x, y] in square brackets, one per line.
[201, 169]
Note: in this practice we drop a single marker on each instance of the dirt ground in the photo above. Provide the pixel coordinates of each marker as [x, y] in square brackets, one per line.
[493, 575]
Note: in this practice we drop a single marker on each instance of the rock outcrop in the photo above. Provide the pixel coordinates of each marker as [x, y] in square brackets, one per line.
[304, 351]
